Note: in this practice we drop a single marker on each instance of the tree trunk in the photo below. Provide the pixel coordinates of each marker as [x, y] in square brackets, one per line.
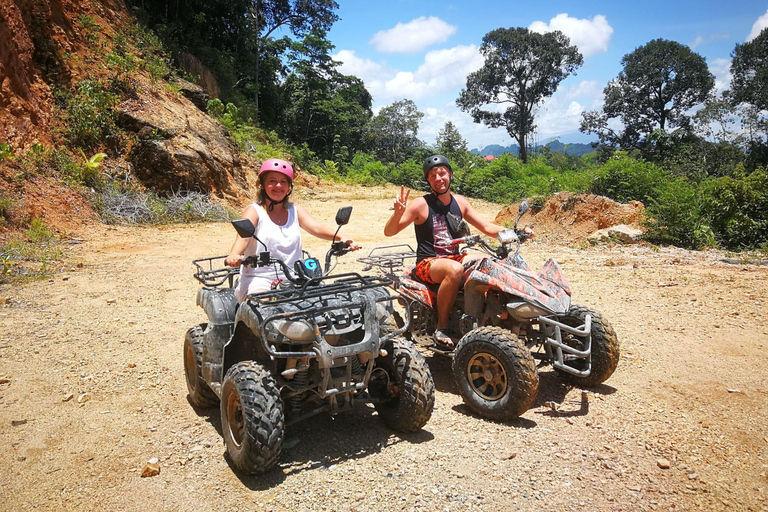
[523, 148]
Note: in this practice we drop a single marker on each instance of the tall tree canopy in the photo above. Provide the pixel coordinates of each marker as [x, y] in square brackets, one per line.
[326, 110]
[521, 69]
[237, 40]
[749, 68]
[392, 134]
[661, 81]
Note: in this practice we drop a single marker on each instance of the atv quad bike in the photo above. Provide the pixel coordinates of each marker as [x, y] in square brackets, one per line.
[503, 311]
[315, 343]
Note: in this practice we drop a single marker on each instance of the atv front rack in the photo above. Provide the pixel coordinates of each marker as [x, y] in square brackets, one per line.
[320, 287]
[212, 276]
[389, 263]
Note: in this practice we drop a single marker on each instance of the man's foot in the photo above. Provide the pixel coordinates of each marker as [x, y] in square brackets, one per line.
[443, 339]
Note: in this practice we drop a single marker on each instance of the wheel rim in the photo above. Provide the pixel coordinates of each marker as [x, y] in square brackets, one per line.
[190, 365]
[235, 423]
[487, 376]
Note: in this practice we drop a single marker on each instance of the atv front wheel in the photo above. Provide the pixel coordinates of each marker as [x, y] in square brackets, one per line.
[402, 382]
[251, 417]
[496, 373]
[605, 347]
[199, 393]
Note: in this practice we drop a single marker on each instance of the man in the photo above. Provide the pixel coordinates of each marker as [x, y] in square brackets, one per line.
[432, 216]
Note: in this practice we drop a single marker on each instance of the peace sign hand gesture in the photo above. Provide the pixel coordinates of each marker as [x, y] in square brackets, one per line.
[401, 201]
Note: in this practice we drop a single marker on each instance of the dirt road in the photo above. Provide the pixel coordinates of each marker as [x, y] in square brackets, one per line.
[92, 387]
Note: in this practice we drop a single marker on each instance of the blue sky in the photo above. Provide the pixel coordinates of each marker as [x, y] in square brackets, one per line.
[423, 50]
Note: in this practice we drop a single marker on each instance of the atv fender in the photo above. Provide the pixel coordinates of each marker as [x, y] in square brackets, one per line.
[220, 305]
[474, 298]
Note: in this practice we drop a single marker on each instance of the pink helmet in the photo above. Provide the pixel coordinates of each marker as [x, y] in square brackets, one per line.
[275, 164]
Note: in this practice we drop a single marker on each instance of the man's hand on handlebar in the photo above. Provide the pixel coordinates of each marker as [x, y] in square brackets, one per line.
[526, 233]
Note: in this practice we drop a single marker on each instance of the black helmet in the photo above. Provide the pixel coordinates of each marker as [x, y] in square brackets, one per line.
[434, 161]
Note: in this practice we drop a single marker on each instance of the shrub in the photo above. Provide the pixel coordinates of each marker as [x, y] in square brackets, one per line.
[625, 179]
[6, 151]
[677, 217]
[6, 205]
[121, 206]
[738, 208]
[89, 116]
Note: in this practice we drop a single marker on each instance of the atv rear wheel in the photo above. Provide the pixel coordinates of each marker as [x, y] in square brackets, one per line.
[251, 417]
[199, 393]
[496, 373]
[605, 347]
[402, 382]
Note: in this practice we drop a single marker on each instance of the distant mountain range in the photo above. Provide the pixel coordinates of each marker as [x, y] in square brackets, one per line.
[575, 149]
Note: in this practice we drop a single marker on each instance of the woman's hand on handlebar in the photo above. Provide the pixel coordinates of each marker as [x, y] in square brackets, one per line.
[343, 247]
[234, 260]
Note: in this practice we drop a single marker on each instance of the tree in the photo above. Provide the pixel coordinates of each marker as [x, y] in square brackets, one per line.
[749, 68]
[326, 110]
[749, 91]
[391, 134]
[521, 69]
[452, 145]
[661, 81]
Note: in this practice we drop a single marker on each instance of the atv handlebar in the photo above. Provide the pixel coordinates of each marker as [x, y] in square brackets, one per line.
[506, 237]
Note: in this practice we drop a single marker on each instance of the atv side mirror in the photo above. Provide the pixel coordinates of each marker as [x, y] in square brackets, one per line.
[244, 227]
[523, 208]
[342, 216]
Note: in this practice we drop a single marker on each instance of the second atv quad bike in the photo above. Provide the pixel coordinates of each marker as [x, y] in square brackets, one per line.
[315, 343]
[503, 312]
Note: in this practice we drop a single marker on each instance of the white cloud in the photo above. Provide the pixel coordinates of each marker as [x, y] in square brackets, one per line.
[699, 40]
[351, 64]
[414, 36]
[721, 68]
[441, 71]
[760, 24]
[696, 42]
[590, 36]
[583, 89]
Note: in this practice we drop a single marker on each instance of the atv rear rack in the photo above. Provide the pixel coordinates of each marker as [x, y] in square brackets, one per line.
[211, 277]
[390, 262]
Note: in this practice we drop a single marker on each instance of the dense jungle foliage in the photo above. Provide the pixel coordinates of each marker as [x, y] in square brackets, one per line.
[699, 166]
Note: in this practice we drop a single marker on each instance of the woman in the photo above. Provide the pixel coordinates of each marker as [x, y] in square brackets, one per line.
[277, 222]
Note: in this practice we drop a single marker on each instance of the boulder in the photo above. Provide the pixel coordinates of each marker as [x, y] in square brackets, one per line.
[182, 148]
[193, 93]
[622, 232]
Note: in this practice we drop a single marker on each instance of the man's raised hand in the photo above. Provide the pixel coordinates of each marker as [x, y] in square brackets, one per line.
[401, 201]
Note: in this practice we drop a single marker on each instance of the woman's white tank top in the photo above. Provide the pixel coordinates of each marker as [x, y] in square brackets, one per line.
[283, 242]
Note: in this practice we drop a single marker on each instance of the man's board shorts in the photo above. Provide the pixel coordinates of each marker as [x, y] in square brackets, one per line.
[421, 271]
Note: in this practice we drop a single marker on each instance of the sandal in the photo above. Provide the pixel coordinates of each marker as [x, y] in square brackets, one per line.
[443, 339]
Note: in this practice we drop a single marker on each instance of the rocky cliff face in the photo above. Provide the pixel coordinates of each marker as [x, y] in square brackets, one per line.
[179, 147]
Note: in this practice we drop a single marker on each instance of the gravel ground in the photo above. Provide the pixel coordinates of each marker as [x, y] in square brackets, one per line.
[92, 388]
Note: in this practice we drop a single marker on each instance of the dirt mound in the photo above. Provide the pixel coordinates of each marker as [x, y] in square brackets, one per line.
[573, 217]
[61, 207]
